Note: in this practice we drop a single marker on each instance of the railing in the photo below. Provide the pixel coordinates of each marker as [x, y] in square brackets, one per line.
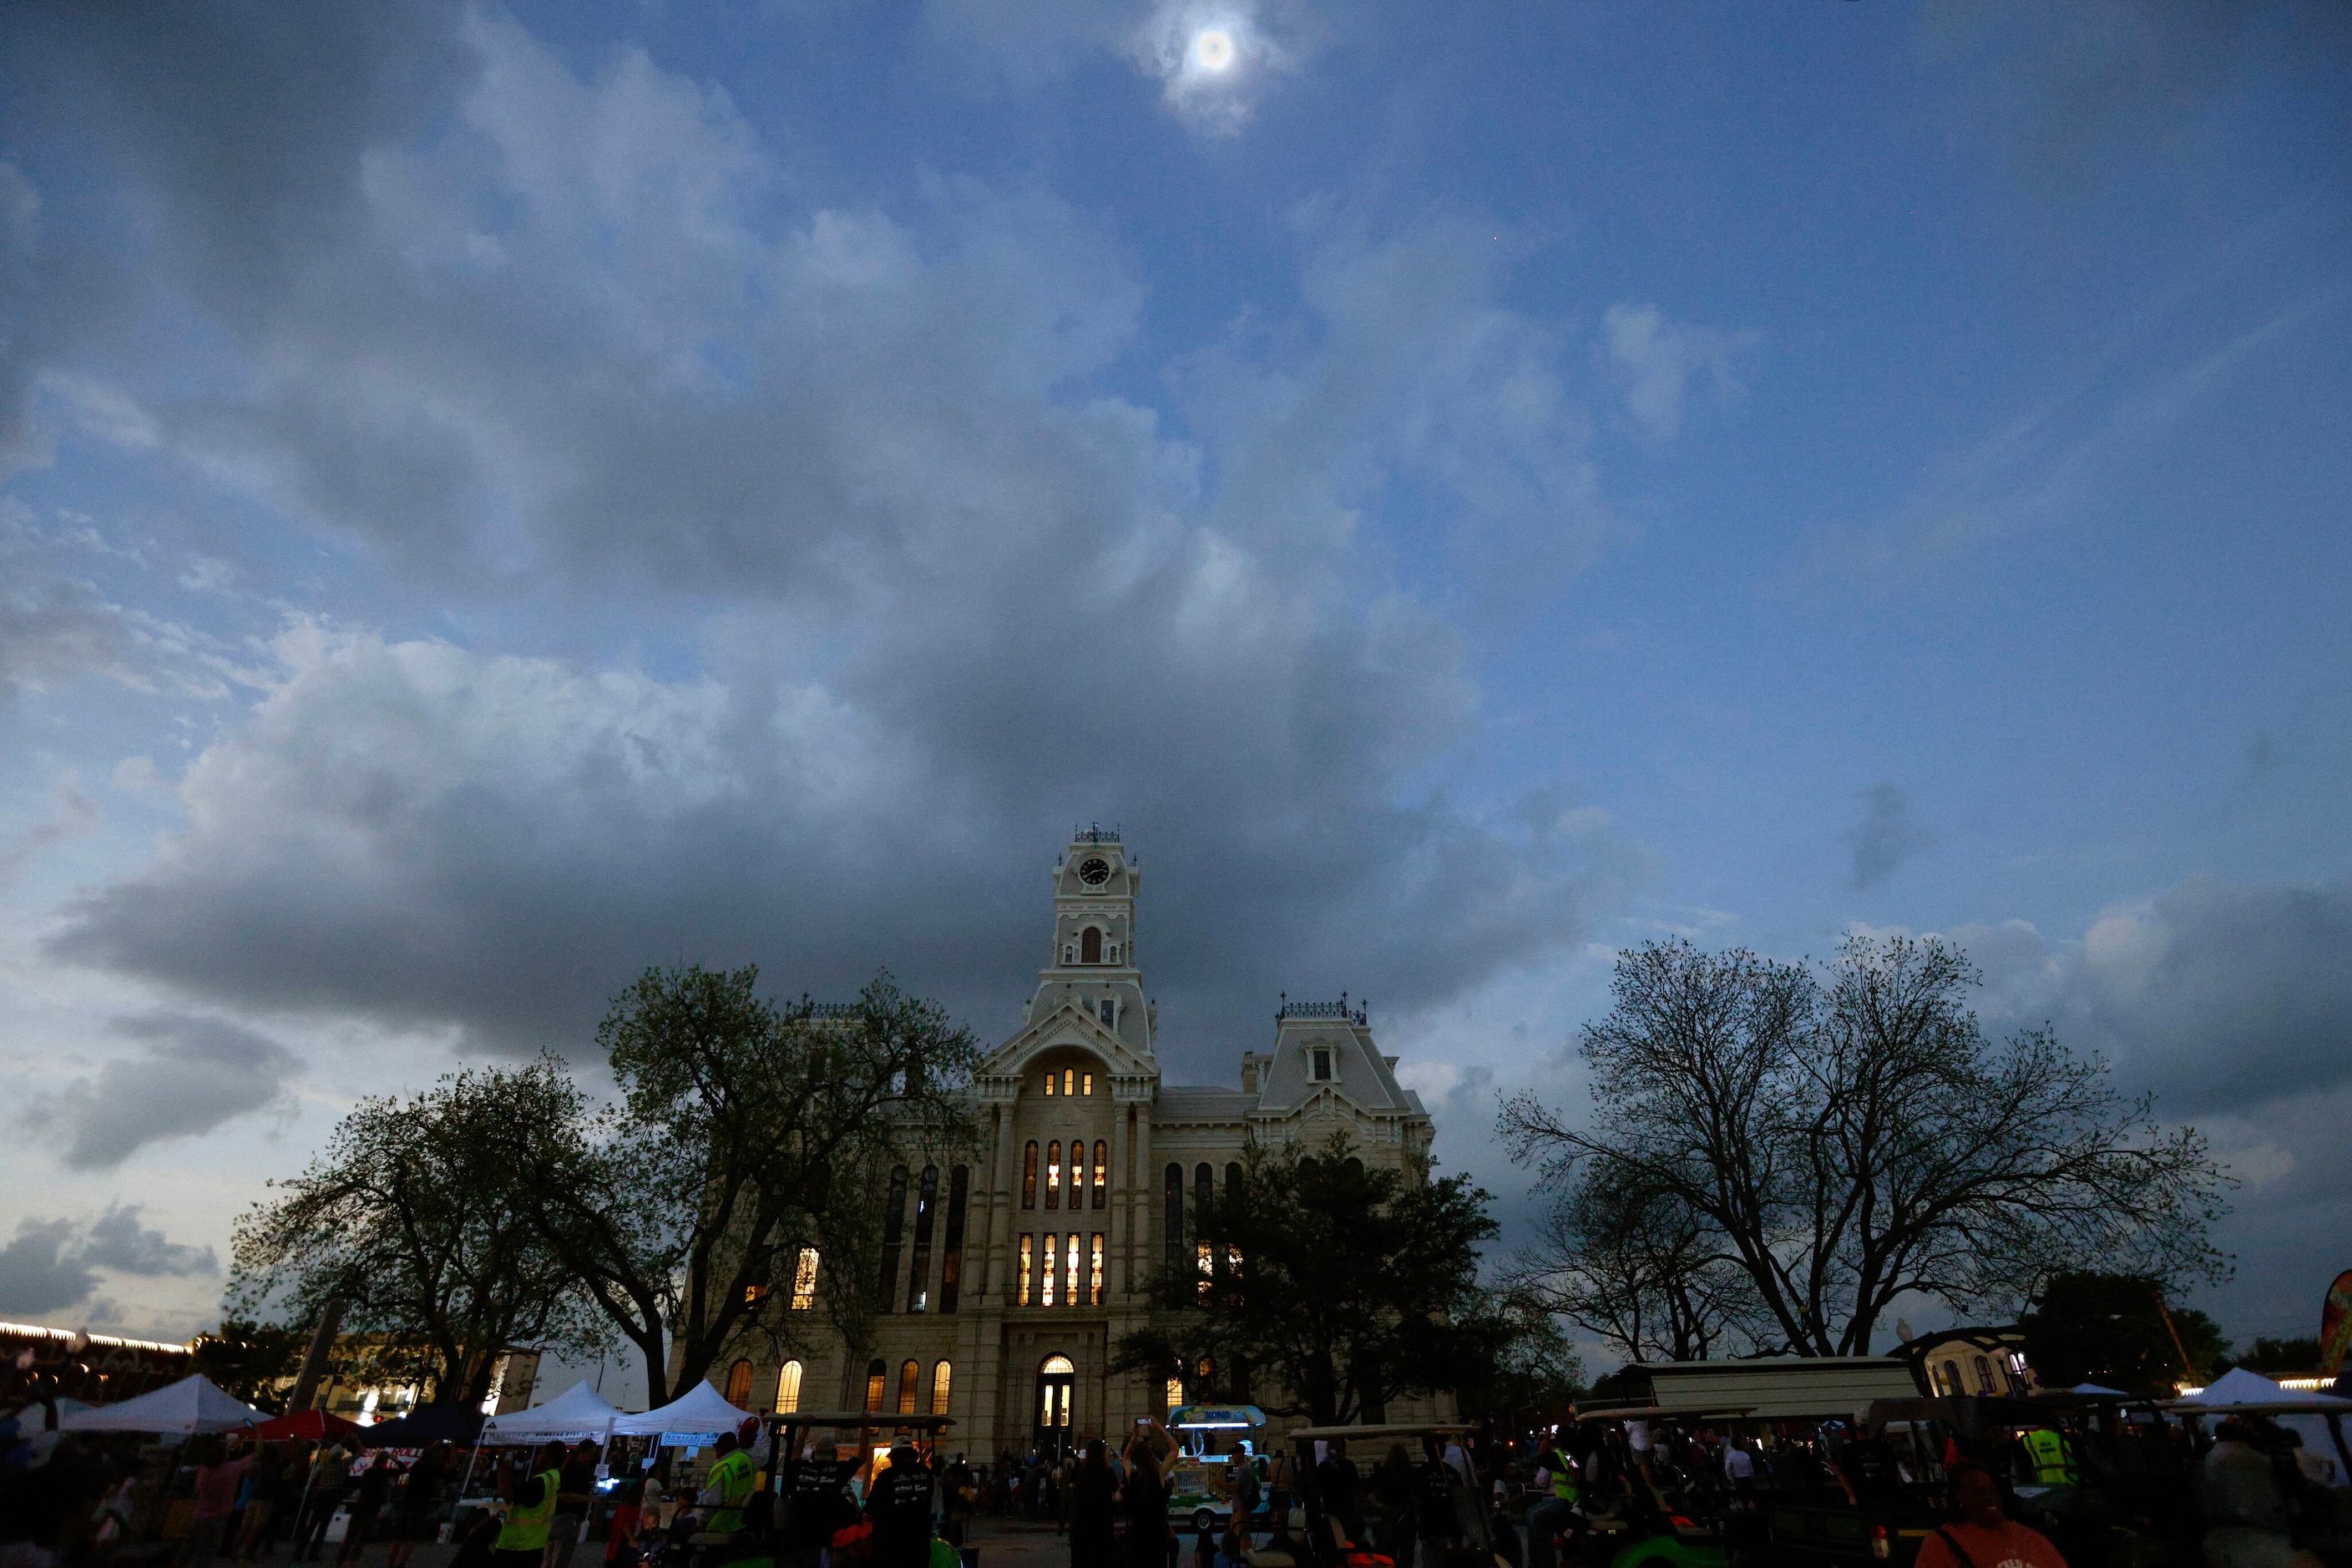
[1338, 1009]
[832, 1009]
[1095, 833]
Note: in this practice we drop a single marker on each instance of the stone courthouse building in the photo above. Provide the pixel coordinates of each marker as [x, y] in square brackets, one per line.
[1009, 1280]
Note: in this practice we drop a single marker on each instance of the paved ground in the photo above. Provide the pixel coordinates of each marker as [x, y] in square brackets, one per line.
[1003, 1543]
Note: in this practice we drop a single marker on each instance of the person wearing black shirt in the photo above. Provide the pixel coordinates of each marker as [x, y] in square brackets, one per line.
[1094, 1509]
[900, 1508]
[367, 1503]
[1439, 1516]
[1335, 1488]
[816, 1504]
[1143, 1498]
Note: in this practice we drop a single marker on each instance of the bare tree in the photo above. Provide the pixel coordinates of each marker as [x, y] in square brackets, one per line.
[1640, 1268]
[1844, 1145]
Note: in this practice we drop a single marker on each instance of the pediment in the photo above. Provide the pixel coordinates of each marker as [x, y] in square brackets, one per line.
[1069, 1024]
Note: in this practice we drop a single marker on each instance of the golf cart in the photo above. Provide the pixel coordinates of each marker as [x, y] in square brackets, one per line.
[1324, 1544]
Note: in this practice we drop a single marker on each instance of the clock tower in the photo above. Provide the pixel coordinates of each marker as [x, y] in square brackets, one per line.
[1093, 960]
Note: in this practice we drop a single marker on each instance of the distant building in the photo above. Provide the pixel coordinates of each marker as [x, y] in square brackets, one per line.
[348, 1391]
[1007, 1282]
[1970, 1361]
[97, 1368]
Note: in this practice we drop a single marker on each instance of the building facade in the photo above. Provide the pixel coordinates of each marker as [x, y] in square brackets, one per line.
[1009, 1280]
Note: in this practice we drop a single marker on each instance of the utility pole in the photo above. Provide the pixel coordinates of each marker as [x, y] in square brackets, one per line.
[314, 1360]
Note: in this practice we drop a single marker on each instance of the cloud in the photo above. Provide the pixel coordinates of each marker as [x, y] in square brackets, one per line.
[54, 1264]
[1657, 360]
[1210, 57]
[1888, 834]
[40, 1271]
[117, 1240]
[71, 812]
[193, 1074]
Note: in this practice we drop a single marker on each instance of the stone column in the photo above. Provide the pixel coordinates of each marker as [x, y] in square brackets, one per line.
[1001, 1177]
[1146, 1191]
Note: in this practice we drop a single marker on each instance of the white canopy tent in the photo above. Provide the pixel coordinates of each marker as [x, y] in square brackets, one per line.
[2242, 1393]
[190, 1405]
[702, 1410]
[577, 1413]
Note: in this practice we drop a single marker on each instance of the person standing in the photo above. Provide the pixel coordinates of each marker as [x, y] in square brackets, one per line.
[573, 1493]
[1093, 1510]
[1143, 1498]
[218, 1481]
[1983, 1536]
[367, 1503]
[416, 1512]
[522, 1539]
[816, 1504]
[1556, 1474]
[1335, 1488]
[960, 1492]
[1396, 1497]
[900, 1507]
[263, 1483]
[330, 1482]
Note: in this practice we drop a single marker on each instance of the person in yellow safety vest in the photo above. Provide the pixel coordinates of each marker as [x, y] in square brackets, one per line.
[732, 1480]
[522, 1539]
[2054, 1465]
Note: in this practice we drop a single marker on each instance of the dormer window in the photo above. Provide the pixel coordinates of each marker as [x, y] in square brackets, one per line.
[1109, 1013]
[1319, 1064]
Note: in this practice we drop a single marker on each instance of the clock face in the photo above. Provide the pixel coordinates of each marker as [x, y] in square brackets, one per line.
[1095, 872]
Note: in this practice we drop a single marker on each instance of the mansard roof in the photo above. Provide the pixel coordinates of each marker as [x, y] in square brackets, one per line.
[1071, 1023]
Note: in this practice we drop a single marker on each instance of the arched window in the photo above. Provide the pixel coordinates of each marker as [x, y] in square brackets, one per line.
[739, 1385]
[1057, 1366]
[1078, 1172]
[804, 1280]
[894, 1228]
[1173, 1224]
[1109, 1011]
[1069, 1080]
[1029, 1175]
[1111, 953]
[1028, 1250]
[1355, 1168]
[1070, 1272]
[1984, 1378]
[942, 1377]
[1052, 1271]
[1951, 1378]
[1054, 1174]
[788, 1388]
[1086, 1084]
[927, 1210]
[910, 1373]
[876, 1373]
[1093, 1290]
[1102, 1170]
[1204, 1192]
[951, 1266]
[1091, 945]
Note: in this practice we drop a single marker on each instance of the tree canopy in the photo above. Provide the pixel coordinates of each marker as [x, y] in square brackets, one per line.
[2112, 1330]
[1347, 1285]
[1774, 1156]
[413, 1214]
[747, 1133]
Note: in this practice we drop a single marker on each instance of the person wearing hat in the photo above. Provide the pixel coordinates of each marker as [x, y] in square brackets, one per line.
[900, 1507]
[732, 1480]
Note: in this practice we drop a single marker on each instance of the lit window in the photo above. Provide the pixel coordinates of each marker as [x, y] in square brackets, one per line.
[941, 1375]
[909, 1373]
[788, 1388]
[1045, 1296]
[1029, 1177]
[1054, 1174]
[739, 1385]
[1086, 1084]
[1049, 1083]
[1094, 1297]
[1102, 1168]
[1322, 1065]
[804, 1280]
[753, 1296]
[1071, 1294]
[1206, 1261]
[874, 1374]
[1175, 1394]
[1069, 1079]
[1027, 1244]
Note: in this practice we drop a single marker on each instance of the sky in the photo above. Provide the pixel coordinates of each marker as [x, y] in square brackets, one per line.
[495, 497]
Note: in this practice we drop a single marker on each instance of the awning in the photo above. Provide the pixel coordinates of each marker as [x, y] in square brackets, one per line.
[427, 1424]
[702, 1411]
[1217, 1417]
[577, 1413]
[311, 1425]
[195, 1404]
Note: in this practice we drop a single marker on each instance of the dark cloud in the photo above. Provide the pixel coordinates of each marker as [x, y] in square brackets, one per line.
[40, 1271]
[193, 1074]
[2220, 996]
[117, 1241]
[575, 326]
[1888, 834]
[52, 1264]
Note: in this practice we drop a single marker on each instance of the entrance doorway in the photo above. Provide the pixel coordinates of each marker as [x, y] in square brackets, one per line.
[1055, 1378]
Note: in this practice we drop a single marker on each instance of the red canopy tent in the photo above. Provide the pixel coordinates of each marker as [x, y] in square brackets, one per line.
[313, 1424]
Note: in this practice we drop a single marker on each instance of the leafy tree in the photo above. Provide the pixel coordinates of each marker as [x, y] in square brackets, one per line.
[249, 1359]
[1792, 1153]
[746, 1131]
[1537, 1368]
[2110, 1329]
[2282, 1358]
[415, 1214]
[1348, 1285]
